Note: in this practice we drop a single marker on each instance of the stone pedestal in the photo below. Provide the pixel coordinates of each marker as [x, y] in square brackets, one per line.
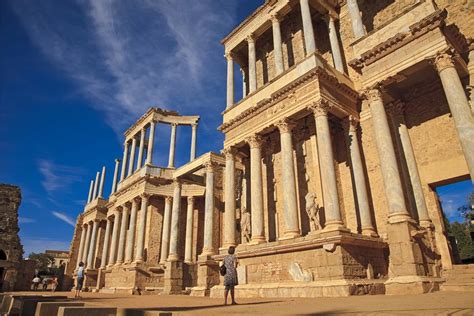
[90, 279]
[208, 276]
[173, 278]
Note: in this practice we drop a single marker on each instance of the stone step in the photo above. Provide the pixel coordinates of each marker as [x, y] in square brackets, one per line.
[463, 266]
[457, 287]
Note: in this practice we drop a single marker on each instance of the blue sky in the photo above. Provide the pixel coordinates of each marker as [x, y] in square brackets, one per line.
[74, 74]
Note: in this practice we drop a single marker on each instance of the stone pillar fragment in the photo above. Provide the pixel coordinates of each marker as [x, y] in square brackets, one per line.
[141, 229]
[123, 234]
[173, 255]
[114, 181]
[106, 244]
[252, 64]
[131, 232]
[193, 142]
[81, 245]
[308, 31]
[124, 161]
[229, 202]
[91, 188]
[165, 237]
[115, 235]
[172, 145]
[91, 254]
[335, 48]
[131, 162]
[230, 79]
[354, 13]
[208, 248]
[96, 186]
[244, 84]
[86, 245]
[101, 186]
[141, 148]
[151, 140]
[188, 249]
[277, 44]
[256, 187]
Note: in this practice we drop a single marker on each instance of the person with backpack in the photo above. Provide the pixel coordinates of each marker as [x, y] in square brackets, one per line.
[229, 271]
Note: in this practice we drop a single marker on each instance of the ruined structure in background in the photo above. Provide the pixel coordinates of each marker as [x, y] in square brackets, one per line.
[352, 113]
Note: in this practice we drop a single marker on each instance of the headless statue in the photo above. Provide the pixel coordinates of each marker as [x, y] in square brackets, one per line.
[312, 209]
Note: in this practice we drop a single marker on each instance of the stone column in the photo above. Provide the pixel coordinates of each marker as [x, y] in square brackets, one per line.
[256, 187]
[141, 149]
[188, 249]
[173, 256]
[124, 161]
[288, 180]
[141, 229]
[326, 165]
[123, 234]
[359, 178]
[172, 145]
[308, 31]
[101, 186]
[354, 13]
[132, 156]
[115, 233]
[106, 244]
[91, 188]
[458, 105]
[114, 182]
[230, 79]
[81, 245]
[252, 64]
[151, 140]
[388, 162]
[244, 83]
[165, 238]
[193, 142]
[131, 232]
[91, 254]
[96, 186]
[335, 48]
[209, 211]
[229, 202]
[277, 43]
[86, 245]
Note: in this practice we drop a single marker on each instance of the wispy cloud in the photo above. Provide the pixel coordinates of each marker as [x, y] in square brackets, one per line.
[57, 177]
[64, 218]
[26, 220]
[41, 244]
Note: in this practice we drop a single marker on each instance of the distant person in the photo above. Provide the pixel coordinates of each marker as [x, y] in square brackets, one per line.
[54, 284]
[36, 282]
[230, 277]
[45, 284]
[80, 279]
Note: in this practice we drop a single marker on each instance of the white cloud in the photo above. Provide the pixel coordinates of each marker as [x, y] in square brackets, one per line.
[41, 244]
[26, 220]
[65, 218]
[57, 177]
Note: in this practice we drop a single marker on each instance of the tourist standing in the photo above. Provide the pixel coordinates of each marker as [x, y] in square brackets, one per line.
[80, 279]
[36, 282]
[230, 277]
[54, 284]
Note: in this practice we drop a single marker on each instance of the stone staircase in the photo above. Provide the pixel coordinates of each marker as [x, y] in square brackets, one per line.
[460, 278]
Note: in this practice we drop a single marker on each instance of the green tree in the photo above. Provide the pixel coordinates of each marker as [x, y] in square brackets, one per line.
[42, 260]
[461, 232]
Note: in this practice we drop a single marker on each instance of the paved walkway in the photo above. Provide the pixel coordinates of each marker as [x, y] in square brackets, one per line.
[438, 303]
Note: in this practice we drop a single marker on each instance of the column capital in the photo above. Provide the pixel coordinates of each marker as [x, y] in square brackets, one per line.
[174, 124]
[396, 108]
[145, 195]
[251, 38]
[320, 108]
[176, 183]
[229, 153]
[443, 60]
[210, 166]
[117, 160]
[255, 141]
[190, 199]
[350, 123]
[168, 199]
[229, 56]
[285, 125]
[194, 125]
[275, 17]
[136, 199]
[373, 95]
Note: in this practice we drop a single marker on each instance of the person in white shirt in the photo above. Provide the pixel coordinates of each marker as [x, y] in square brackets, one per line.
[80, 279]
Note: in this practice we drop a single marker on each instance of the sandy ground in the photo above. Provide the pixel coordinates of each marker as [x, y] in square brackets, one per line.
[438, 303]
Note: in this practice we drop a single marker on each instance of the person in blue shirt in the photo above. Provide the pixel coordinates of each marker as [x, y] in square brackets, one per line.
[80, 279]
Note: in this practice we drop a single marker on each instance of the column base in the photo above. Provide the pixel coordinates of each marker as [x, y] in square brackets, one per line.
[290, 235]
[335, 226]
[208, 252]
[173, 257]
[256, 240]
[369, 231]
[428, 224]
[173, 282]
[399, 217]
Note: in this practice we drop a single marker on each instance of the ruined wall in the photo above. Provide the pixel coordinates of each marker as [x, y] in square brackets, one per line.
[10, 199]
[154, 228]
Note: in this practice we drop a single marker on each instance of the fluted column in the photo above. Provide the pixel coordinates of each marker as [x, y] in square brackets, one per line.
[165, 238]
[91, 188]
[172, 145]
[288, 180]
[86, 245]
[354, 13]
[308, 31]
[458, 105]
[151, 140]
[193, 142]
[252, 64]
[96, 186]
[91, 254]
[209, 211]
[173, 256]
[388, 162]
[188, 249]
[335, 48]
[256, 187]
[131, 162]
[101, 186]
[229, 203]
[124, 161]
[230, 79]
[326, 164]
[141, 229]
[359, 178]
[105, 247]
[123, 234]
[114, 181]
[131, 232]
[277, 43]
[115, 235]
[141, 149]
[81, 245]
[244, 83]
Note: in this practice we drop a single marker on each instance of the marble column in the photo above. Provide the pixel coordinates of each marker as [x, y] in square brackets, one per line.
[141, 229]
[165, 238]
[151, 140]
[458, 105]
[188, 249]
[101, 186]
[230, 79]
[131, 232]
[290, 204]
[91, 254]
[81, 245]
[229, 202]
[335, 48]
[277, 43]
[86, 245]
[91, 188]
[209, 210]
[193, 142]
[124, 161]
[172, 145]
[397, 210]
[123, 234]
[106, 244]
[114, 181]
[131, 162]
[308, 31]
[244, 83]
[173, 255]
[141, 149]
[96, 186]
[359, 178]
[256, 187]
[252, 64]
[115, 234]
[354, 13]
[326, 165]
